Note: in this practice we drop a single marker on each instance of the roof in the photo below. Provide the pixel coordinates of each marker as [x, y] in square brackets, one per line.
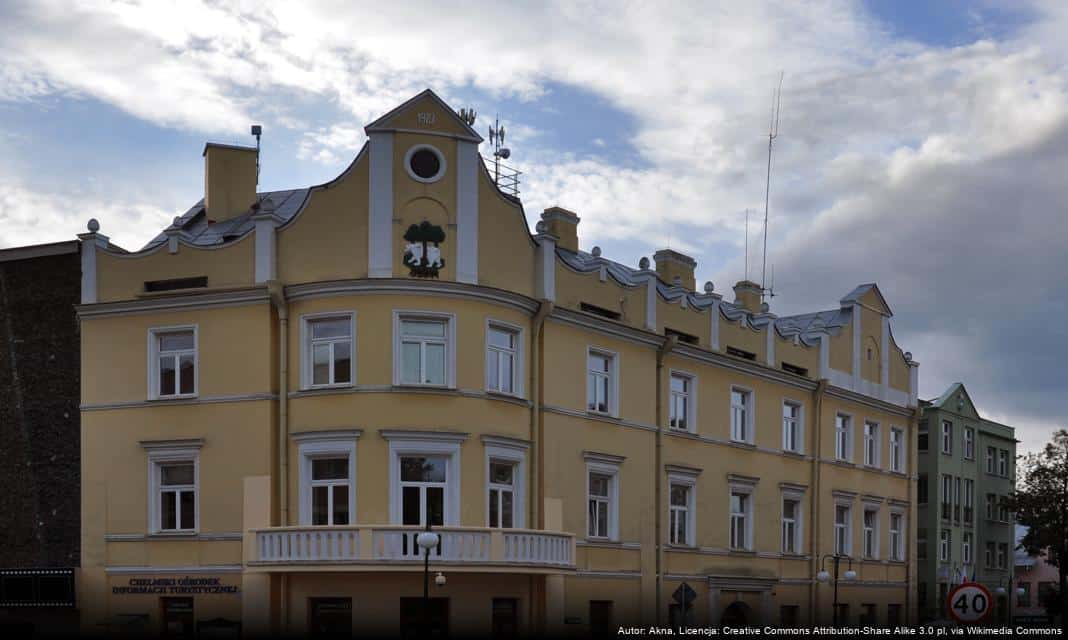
[193, 227]
[12, 254]
[808, 326]
[381, 122]
[856, 294]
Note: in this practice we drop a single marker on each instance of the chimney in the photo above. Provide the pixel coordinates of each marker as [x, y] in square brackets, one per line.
[564, 225]
[747, 295]
[229, 180]
[672, 264]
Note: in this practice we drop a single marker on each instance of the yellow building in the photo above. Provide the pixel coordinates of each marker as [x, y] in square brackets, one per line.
[282, 389]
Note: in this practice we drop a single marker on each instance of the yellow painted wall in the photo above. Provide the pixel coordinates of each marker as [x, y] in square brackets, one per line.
[574, 288]
[689, 320]
[506, 254]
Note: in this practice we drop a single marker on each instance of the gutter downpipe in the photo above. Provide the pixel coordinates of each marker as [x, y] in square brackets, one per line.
[278, 297]
[661, 352]
[537, 515]
[814, 503]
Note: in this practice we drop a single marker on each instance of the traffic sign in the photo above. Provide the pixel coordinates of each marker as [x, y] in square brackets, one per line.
[969, 602]
[684, 595]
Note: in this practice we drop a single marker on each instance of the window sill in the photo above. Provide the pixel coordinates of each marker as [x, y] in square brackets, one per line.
[681, 547]
[182, 396]
[413, 386]
[327, 387]
[601, 414]
[172, 535]
[872, 467]
[493, 393]
[793, 454]
[741, 443]
[742, 552]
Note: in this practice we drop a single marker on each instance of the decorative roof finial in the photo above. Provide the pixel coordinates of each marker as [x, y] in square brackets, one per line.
[596, 252]
[709, 287]
[643, 264]
[93, 226]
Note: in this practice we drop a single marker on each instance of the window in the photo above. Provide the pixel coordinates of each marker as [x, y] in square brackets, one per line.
[1023, 597]
[600, 382]
[966, 548]
[741, 415]
[867, 610]
[502, 359]
[600, 505]
[327, 477]
[897, 450]
[843, 439]
[602, 496]
[505, 482]
[680, 513]
[682, 403]
[991, 505]
[502, 494]
[842, 530]
[897, 538]
[947, 437]
[990, 460]
[329, 350]
[504, 621]
[956, 500]
[921, 489]
[1003, 555]
[740, 508]
[871, 533]
[968, 501]
[989, 553]
[423, 480]
[423, 355]
[791, 427]
[944, 541]
[174, 362]
[947, 496]
[173, 474]
[871, 444]
[1003, 463]
[791, 525]
[969, 443]
[921, 543]
[1003, 510]
[424, 163]
[921, 438]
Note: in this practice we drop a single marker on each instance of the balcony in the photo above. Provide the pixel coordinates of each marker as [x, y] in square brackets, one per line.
[391, 547]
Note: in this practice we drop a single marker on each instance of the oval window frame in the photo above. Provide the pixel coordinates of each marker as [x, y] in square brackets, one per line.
[442, 165]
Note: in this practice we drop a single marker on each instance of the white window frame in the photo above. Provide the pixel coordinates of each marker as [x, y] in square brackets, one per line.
[799, 518]
[750, 414]
[517, 357]
[846, 429]
[690, 482]
[690, 398]
[873, 531]
[307, 368]
[749, 490]
[602, 466]
[991, 460]
[450, 345]
[153, 362]
[872, 450]
[966, 548]
[897, 537]
[897, 449]
[945, 544]
[425, 443]
[799, 426]
[1003, 463]
[946, 437]
[313, 445]
[847, 547]
[514, 452]
[969, 443]
[164, 453]
[613, 380]
[968, 501]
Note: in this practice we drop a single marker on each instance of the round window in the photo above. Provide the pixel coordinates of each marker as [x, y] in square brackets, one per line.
[425, 163]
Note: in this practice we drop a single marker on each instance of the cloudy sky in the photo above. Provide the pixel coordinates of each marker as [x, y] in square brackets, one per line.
[922, 145]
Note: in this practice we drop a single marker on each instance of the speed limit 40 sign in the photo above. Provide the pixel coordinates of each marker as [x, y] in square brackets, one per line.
[969, 602]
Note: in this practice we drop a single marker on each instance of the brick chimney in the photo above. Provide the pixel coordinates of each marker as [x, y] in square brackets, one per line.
[229, 180]
[672, 264]
[747, 295]
[564, 225]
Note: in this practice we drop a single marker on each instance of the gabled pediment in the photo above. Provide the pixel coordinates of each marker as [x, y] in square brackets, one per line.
[869, 296]
[956, 399]
[425, 113]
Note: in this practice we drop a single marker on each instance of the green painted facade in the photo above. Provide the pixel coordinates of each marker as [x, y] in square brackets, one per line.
[967, 468]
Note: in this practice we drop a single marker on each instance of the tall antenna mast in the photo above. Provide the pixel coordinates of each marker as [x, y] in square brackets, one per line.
[746, 244]
[496, 136]
[257, 131]
[773, 132]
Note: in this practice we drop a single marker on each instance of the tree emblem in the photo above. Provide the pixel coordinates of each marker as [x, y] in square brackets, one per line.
[423, 255]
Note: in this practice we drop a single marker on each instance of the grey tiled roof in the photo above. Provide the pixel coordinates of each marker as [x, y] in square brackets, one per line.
[195, 228]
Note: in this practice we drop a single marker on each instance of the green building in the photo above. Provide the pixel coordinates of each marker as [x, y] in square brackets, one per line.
[964, 530]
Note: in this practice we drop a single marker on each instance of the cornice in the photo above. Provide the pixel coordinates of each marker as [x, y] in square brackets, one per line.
[875, 403]
[185, 301]
[402, 286]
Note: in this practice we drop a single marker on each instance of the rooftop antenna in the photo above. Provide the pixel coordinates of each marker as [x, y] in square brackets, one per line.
[496, 136]
[746, 244]
[257, 130]
[773, 132]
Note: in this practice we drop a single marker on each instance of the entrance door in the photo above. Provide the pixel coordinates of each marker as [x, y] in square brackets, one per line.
[505, 618]
[413, 623]
[738, 614]
[601, 619]
[176, 616]
[330, 617]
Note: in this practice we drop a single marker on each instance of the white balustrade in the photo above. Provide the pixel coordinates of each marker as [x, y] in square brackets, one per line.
[319, 545]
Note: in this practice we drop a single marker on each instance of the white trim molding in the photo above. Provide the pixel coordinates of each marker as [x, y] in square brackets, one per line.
[160, 453]
[518, 362]
[414, 442]
[153, 363]
[380, 206]
[613, 380]
[450, 345]
[443, 164]
[325, 444]
[467, 166]
[508, 450]
[306, 367]
[607, 465]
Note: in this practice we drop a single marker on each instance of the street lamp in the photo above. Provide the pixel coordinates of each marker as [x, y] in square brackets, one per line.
[824, 576]
[428, 540]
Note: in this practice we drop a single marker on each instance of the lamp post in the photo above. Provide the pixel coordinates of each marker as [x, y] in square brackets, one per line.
[427, 540]
[824, 576]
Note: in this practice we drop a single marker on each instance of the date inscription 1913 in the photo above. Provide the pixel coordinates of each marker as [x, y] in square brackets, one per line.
[426, 117]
